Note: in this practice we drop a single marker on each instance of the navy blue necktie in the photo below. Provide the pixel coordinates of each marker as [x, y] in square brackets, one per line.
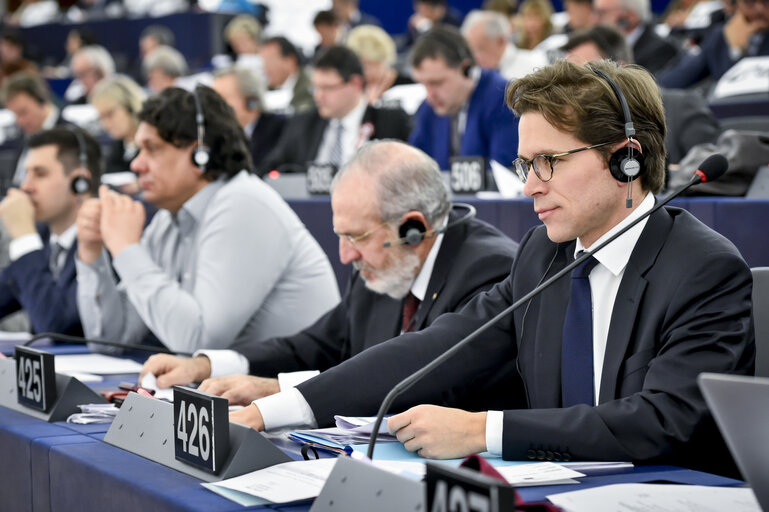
[577, 342]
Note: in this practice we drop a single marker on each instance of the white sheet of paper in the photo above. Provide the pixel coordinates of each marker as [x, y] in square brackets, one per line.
[654, 497]
[537, 474]
[150, 382]
[96, 363]
[82, 376]
[284, 483]
[508, 183]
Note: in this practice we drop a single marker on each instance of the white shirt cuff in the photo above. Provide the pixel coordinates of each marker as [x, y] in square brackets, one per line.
[494, 422]
[290, 380]
[287, 409]
[23, 245]
[224, 362]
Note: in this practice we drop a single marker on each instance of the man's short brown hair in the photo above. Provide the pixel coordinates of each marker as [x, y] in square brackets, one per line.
[576, 100]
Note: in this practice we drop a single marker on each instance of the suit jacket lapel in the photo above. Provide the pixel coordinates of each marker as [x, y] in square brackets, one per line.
[386, 321]
[628, 300]
[313, 146]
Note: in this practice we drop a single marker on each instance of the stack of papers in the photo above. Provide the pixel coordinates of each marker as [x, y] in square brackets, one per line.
[349, 431]
[94, 413]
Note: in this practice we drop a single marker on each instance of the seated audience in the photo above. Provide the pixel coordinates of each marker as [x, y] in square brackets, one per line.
[29, 98]
[745, 34]
[489, 37]
[162, 67]
[464, 113]
[428, 14]
[634, 19]
[376, 51]
[534, 23]
[688, 118]
[119, 101]
[243, 90]
[40, 219]
[283, 67]
[224, 259]
[330, 29]
[341, 121]
[244, 34]
[394, 289]
[90, 64]
[621, 386]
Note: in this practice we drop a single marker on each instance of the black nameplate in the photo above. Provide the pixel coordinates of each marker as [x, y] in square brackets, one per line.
[201, 428]
[468, 174]
[319, 177]
[35, 378]
[449, 489]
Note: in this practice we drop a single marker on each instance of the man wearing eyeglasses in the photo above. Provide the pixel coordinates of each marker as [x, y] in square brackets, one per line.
[341, 121]
[745, 34]
[396, 288]
[609, 358]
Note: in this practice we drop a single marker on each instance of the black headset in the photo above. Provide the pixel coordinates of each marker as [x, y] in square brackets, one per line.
[413, 231]
[624, 165]
[202, 154]
[80, 184]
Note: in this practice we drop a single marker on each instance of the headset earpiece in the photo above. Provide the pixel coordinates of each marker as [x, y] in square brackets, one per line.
[412, 232]
[201, 154]
[80, 185]
[626, 164]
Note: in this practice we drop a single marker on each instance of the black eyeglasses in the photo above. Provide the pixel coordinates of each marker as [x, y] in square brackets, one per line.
[544, 163]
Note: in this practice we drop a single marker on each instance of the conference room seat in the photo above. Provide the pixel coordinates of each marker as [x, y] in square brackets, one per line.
[761, 319]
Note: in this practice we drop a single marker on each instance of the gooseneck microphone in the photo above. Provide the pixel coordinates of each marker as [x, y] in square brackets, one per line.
[85, 341]
[710, 170]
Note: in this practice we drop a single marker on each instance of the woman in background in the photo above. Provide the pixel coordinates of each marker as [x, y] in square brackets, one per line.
[376, 51]
[535, 24]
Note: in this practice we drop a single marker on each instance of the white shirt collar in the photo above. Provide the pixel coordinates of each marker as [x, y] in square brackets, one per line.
[616, 255]
[66, 239]
[50, 121]
[353, 119]
[289, 83]
[419, 286]
[634, 35]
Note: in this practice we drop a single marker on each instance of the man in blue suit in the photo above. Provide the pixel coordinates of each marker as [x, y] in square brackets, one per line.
[62, 166]
[465, 112]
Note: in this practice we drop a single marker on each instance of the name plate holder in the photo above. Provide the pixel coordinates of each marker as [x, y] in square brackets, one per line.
[359, 485]
[145, 426]
[70, 393]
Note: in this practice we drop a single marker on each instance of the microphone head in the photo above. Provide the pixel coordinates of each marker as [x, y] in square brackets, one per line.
[712, 168]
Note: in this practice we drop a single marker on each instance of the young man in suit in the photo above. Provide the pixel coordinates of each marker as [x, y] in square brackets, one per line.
[341, 121]
[608, 359]
[386, 186]
[464, 113]
[62, 168]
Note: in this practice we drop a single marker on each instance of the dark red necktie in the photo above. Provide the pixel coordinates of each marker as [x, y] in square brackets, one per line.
[410, 306]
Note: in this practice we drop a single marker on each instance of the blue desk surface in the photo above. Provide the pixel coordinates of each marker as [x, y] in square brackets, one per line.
[743, 221]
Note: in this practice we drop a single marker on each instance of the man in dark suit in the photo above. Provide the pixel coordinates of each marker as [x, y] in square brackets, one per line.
[745, 34]
[609, 358]
[284, 70]
[387, 185]
[243, 90]
[634, 19]
[464, 112]
[41, 276]
[340, 123]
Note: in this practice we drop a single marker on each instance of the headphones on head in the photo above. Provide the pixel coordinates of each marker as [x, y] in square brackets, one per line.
[458, 47]
[625, 164]
[80, 184]
[202, 154]
[413, 231]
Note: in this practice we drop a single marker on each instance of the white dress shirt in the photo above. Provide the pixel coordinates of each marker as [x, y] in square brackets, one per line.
[353, 135]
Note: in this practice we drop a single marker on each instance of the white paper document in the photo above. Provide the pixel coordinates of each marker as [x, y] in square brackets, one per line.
[657, 498]
[95, 363]
[151, 382]
[282, 483]
[539, 473]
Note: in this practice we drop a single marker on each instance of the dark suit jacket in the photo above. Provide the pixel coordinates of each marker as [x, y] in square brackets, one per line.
[491, 130]
[266, 134]
[683, 307]
[302, 98]
[28, 284]
[303, 136]
[473, 256]
[653, 52]
[711, 60]
[689, 122]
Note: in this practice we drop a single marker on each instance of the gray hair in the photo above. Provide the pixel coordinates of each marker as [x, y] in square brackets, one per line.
[167, 59]
[250, 83]
[407, 179]
[641, 7]
[495, 24]
[99, 58]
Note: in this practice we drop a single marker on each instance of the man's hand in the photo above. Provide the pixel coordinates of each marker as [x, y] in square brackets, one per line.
[172, 370]
[439, 432]
[240, 389]
[89, 242]
[249, 416]
[122, 220]
[18, 213]
[738, 31]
